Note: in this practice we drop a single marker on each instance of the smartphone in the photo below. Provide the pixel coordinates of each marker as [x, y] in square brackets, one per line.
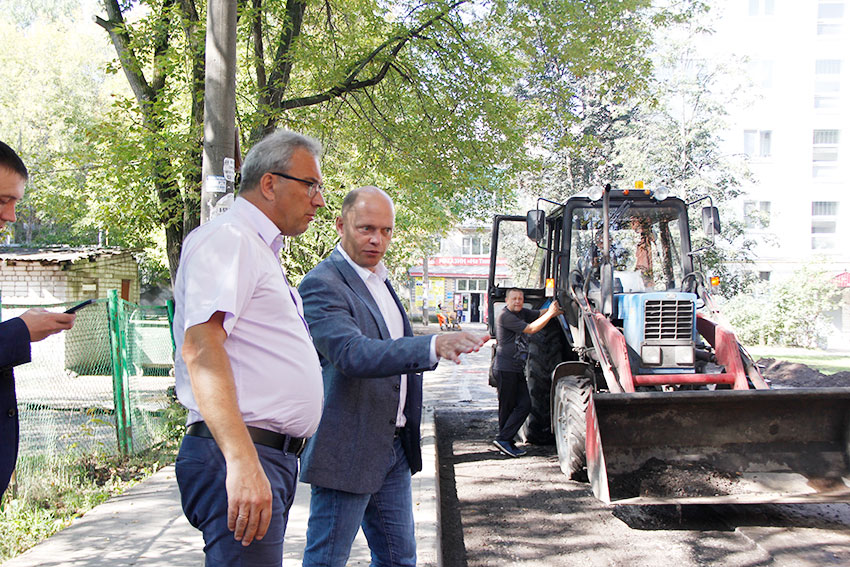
[75, 308]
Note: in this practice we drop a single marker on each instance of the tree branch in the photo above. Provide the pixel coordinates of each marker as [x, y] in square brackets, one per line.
[117, 31]
[259, 53]
[282, 69]
[392, 46]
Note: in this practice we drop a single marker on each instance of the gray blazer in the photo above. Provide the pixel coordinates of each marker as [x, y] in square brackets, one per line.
[361, 369]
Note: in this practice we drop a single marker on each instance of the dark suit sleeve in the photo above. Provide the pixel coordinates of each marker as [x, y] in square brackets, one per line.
[333, 311]
[14, 343]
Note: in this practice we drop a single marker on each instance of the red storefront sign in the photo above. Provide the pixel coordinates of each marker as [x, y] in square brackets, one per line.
[461, 261]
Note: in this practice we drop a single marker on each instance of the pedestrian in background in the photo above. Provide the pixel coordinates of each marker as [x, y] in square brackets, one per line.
[246, 368]
[16, 334]
[367, 446]
[513, 325]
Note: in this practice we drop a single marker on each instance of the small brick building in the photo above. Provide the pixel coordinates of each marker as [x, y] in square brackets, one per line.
[54, 275]
[47, 276]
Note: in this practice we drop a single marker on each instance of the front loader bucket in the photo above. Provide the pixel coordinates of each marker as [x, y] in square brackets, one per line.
[722, 446]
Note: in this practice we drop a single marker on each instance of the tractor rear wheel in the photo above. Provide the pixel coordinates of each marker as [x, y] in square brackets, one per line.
[545, 352]
[572, 396]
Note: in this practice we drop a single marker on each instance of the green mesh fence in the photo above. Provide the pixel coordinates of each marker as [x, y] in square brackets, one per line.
[101, 388]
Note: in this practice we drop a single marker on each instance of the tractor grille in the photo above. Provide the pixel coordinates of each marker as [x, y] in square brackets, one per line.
[668, 319]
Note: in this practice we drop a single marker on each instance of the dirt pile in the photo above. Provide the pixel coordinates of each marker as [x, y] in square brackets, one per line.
[678, 480]
[794, 375]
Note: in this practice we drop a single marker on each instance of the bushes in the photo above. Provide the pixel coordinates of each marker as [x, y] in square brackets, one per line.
[787, 313]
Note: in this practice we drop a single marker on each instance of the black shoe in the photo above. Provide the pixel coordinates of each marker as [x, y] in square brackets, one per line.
[507, 449]
[519, 452]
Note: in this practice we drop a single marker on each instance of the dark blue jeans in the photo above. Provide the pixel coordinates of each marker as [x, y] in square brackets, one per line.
[201, 476]
[386, 518]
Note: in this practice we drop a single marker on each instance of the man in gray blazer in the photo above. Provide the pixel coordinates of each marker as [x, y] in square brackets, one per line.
[360, 460]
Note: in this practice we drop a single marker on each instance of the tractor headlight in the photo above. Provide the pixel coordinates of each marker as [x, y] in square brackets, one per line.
[595, 193]
[650, 354]
[684, 355]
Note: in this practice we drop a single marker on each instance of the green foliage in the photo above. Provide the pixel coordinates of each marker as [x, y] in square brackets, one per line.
[589, 69]
[51, 81]
[25, 13]
[438, 102]
[674, 139]
[63, 489]
[433, 102]
[788, 313]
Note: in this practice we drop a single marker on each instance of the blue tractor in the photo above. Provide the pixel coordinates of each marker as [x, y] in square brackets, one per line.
[641, 384]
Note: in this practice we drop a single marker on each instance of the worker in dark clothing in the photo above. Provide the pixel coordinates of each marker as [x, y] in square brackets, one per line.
[513, 325]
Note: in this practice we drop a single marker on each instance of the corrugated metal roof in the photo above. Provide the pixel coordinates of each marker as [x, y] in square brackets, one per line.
[57, 255]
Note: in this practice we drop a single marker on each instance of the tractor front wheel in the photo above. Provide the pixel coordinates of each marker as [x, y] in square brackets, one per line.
[572, 396]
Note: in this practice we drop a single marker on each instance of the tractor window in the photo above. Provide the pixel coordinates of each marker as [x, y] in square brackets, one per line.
[645, 246]
[521, 255]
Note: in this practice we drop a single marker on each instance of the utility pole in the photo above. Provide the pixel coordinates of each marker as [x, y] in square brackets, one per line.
[219, 164]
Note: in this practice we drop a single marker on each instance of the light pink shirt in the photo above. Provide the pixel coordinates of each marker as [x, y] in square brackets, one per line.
[231, 264]
[376, 284]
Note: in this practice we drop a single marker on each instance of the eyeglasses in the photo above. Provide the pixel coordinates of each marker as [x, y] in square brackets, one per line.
[313, 187]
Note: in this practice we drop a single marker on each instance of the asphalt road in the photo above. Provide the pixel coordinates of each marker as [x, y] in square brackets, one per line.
[498, 511]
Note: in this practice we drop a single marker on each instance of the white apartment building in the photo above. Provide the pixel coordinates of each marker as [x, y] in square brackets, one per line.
[796, 134]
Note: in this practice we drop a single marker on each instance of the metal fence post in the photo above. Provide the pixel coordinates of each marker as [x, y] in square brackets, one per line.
[120, 387]
[169, 306]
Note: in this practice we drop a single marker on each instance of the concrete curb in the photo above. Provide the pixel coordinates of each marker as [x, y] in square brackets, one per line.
[426, 502]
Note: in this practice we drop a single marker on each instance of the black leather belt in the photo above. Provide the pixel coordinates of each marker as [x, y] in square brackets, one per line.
[279, 441]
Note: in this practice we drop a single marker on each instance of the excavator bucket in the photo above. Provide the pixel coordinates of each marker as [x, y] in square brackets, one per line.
[721, 446]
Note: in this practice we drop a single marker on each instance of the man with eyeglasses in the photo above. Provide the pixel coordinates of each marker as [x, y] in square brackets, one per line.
[245, 367]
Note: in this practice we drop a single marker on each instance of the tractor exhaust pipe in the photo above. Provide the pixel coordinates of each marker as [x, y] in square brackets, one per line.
[606, 270]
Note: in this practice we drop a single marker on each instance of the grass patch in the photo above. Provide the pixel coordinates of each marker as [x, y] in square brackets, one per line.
[59, 489]
[824, 362]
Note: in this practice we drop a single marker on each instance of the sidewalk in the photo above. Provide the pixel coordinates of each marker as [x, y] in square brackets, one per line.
[145, 526]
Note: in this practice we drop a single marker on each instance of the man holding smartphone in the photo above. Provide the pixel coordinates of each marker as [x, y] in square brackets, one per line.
[17, 334]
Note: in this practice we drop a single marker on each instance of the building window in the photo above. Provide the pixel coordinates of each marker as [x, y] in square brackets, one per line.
[824, 153]
[471, 285]
[827, 83]
[830, 13]
[756, 214]
[475, 246]
[761, 7]
[757, 143]
[824, 224]
[764, 276]
[761, 71]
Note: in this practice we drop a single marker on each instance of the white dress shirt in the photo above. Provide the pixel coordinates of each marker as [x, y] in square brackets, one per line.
[231, 264]
[377, 286]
